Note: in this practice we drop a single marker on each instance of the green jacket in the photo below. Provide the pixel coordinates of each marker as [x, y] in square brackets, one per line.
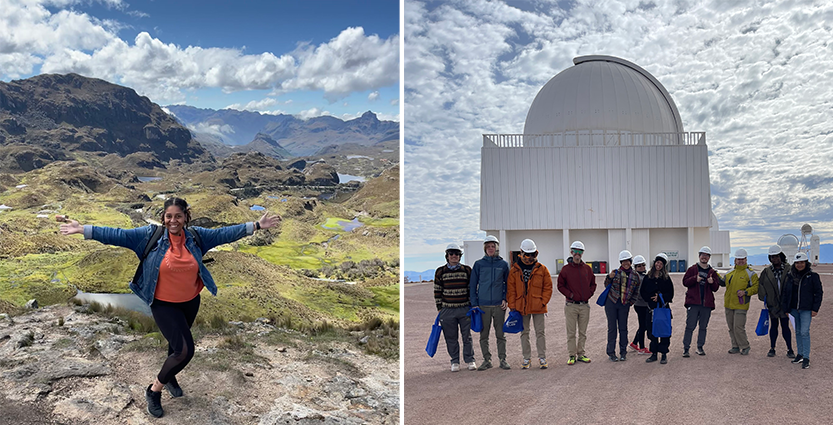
[768, 290]
[741, 277]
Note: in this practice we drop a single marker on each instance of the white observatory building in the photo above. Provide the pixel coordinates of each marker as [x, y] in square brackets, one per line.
[604, 159]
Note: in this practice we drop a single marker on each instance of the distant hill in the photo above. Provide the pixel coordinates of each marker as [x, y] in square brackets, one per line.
[262, 144]
[53, 117]
[299, 137]
[825, 256]
[415, 276]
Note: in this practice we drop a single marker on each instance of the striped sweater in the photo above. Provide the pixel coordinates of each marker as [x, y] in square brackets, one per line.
[451, 287]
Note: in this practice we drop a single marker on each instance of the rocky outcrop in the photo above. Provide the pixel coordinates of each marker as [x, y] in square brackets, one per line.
[72, 113]
[66, 365]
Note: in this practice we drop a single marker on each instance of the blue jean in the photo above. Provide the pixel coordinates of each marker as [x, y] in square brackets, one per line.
[802, 331]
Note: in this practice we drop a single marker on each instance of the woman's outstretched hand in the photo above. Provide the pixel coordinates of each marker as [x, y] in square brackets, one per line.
[71, 227]
[268, 220]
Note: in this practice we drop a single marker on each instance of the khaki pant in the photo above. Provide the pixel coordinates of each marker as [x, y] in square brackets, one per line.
[576, 314]
[736, 319]
[491, 312]
[540, 340]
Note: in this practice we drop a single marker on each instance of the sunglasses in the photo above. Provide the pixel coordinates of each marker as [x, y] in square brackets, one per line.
[640, 265]
[530, 254]
[577, 251]
[457, 253]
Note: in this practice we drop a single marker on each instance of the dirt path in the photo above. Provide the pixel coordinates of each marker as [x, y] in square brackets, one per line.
[716, 388]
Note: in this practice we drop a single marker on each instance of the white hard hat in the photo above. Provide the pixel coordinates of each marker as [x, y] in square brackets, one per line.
[453, 247]
[638, 260]
[801, 256]
[490, 238]
[625, 255]
[577, 245]
[705, 250]
[528, 245]
[663, 257]
[740, 254]
[774, 250]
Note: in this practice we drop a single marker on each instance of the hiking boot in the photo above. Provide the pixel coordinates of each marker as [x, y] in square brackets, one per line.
[525, 365]
[571, 361]
[504, 365]
[634, 346]
[613, 358]
[472, 366]
[700, 351]
[455, 367]
[542, 363]
[623, 357]
[805, 364]
[485, 365]
[173, 387]
[734, 350]
[583, 359]
[651, 359]
[790, 354]
[154, 400]
[745, 351]
[771, 353]
[685, 353]
[664, 360]
[797, 359]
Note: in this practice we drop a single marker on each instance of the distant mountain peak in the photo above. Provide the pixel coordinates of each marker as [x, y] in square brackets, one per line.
[369, 115]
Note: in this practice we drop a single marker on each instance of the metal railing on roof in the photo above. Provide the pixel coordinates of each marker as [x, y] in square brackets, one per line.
[593, 138]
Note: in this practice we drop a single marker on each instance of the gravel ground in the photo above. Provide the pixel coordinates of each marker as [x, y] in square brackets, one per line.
[716, 388]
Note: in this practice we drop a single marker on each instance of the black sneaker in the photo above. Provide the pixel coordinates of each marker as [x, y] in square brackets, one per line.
[685, 353]
[771, 353]
[623, 357]
[797, 359]
[613, 358]
[790, 354]
[664, 360]
[651, 359]
[805, 364]
[734, 350]
[154, 400]
[173, 387]
[700, 351]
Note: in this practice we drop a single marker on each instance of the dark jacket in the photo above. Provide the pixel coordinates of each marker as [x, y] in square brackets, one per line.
[488, 281]
[654, 285]
[577, 282]
[768, 290]
[809, 290]
[692, 295]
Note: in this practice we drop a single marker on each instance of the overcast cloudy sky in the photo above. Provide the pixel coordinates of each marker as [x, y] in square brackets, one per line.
[338, 57]
[754, 75]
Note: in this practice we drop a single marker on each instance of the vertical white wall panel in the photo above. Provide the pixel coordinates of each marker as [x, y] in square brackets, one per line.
[641, 245]
[616, 242]
[595, 243]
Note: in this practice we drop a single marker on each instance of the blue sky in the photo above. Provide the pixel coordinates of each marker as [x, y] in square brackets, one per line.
[753, 75]
[305, 58]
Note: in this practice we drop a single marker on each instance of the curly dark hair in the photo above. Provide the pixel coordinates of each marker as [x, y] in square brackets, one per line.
[179, 202]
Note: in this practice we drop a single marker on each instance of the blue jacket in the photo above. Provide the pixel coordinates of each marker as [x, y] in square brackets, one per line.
[136, 239]
[488, 281]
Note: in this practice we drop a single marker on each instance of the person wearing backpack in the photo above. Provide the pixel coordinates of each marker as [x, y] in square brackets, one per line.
[769, 291]
[170, 277]
[528, 290]
[657, 282]
[740, 283]
[488, 291]
[801, 296]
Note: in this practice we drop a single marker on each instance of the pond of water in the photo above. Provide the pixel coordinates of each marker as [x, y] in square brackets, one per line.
[257, 208]
[128, 301]
[358, 156]
[148, 179]
[344, 178]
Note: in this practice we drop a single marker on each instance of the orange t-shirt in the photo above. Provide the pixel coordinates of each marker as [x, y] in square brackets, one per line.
[179, 279]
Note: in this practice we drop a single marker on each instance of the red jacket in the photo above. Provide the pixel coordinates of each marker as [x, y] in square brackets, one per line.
[577, 282]
[533, 297]
[692, 295]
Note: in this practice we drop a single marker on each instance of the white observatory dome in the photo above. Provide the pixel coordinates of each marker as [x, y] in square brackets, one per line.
[603, 93]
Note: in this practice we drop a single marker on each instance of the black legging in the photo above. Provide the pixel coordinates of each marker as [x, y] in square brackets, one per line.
[642, 315]
[785, 330]
[174, 321]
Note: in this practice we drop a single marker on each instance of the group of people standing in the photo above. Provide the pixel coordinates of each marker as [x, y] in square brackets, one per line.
[527, 287]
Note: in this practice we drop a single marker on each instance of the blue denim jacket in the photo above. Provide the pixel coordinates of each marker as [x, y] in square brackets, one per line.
[136, 239]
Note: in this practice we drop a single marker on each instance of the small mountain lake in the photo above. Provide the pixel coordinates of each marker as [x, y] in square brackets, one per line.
[128, 301]
[148, 179]
[257, 208]
[344, 178]
[334, 223]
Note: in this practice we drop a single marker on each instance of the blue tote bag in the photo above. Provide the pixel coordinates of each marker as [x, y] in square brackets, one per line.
[603, 296]
[661, 324]
[763, 321]
[514, 323]
[434, 339]
[476, 315]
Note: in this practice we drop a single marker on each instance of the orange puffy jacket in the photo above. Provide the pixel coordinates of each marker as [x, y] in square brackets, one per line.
[533, 297]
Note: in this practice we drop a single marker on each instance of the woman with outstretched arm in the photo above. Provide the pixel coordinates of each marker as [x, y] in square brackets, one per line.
[171, 278]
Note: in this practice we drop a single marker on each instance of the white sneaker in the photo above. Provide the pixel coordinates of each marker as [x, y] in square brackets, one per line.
[455, 367]
[472, 366]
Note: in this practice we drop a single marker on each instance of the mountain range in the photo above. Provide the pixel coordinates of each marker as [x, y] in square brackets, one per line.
[299, 137]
